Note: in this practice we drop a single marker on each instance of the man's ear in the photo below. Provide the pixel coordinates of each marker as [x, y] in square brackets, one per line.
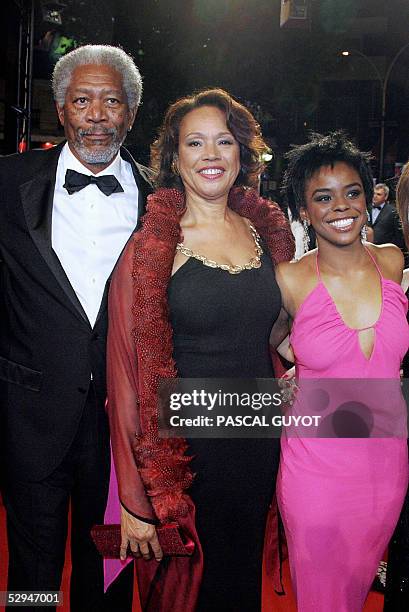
[60, 113]
[132, 115]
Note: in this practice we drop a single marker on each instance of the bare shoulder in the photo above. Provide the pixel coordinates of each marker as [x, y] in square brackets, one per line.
[286, 273]
[293, 270]
[389, 259]
[296, 279]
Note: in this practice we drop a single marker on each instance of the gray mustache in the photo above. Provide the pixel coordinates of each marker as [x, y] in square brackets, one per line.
[99, 131]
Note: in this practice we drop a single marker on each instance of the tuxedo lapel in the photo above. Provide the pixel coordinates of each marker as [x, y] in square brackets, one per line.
[382, 213]
[37, 200]
[143, 180]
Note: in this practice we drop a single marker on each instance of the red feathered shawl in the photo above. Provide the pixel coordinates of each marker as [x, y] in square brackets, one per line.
[139, 355]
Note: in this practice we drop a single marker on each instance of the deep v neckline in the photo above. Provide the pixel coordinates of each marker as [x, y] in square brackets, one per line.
[381, 279]
[358, 330]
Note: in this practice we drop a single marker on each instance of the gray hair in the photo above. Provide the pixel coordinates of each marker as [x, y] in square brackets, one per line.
[384, 187]
[98, 54]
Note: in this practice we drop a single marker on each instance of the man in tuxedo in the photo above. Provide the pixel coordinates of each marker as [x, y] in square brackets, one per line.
[65, 216]
[385, 220]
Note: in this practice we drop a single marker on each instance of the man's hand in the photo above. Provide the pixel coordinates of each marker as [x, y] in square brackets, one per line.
[140, 536]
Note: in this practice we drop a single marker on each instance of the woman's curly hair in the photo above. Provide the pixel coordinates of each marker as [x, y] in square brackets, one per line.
[240, 122]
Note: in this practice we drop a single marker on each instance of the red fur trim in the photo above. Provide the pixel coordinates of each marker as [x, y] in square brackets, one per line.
[268, 219]
[165, 472]
[163, 465]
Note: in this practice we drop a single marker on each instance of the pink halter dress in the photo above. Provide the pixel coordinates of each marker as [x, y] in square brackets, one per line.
[340, 498]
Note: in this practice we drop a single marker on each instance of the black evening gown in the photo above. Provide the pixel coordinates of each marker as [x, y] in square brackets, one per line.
[221, 326]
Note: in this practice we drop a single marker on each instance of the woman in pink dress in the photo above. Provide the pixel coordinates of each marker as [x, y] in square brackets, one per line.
[340, 499]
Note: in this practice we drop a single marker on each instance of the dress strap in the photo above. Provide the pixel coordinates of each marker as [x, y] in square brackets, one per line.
[366, 249]
[373, 261]
[317, 267]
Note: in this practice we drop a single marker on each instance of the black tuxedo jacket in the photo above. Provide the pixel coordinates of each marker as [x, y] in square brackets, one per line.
[48, 349]
[387, 227]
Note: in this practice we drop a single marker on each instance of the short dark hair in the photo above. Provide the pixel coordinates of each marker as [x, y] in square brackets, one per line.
[320, 151]
[240, 122]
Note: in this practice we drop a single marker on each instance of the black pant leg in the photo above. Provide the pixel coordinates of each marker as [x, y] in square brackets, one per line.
[37, 531]
[88, 501]
[37, 515]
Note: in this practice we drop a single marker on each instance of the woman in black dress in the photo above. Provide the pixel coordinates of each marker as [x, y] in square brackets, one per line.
[195, 295]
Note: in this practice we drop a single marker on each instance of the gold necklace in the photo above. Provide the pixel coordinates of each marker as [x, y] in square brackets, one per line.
[254, 262]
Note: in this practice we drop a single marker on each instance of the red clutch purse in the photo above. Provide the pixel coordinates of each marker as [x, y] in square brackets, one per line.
[107, 539]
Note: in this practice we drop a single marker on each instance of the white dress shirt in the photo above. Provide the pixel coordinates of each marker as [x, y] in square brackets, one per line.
[90, 229]
[376, 211]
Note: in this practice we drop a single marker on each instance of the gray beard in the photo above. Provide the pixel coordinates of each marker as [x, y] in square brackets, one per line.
[102, 156]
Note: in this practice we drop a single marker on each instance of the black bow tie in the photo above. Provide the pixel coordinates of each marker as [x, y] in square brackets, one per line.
[107, 183]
